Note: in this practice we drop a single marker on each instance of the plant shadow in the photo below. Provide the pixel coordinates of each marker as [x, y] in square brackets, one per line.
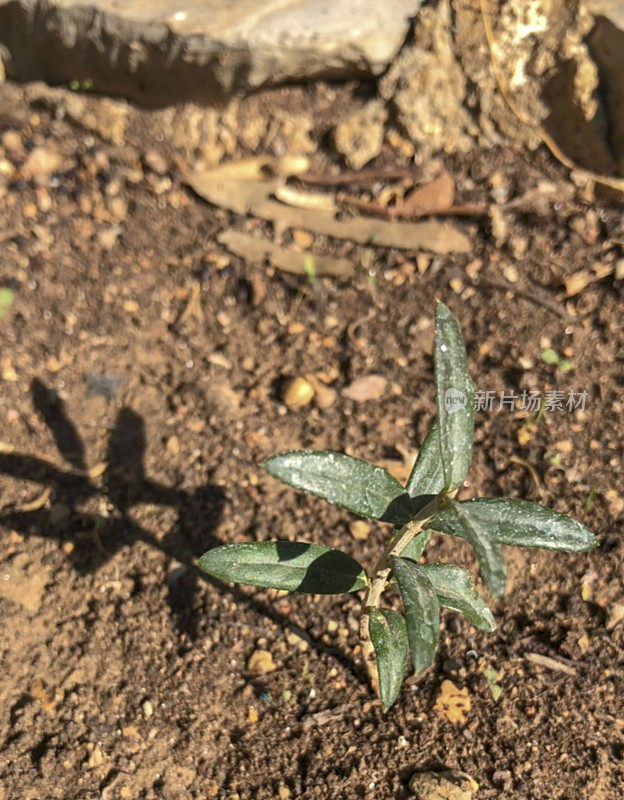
[121, 484]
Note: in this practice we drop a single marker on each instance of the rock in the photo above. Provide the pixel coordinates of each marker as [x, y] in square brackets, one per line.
[545, 67]
[148, 709]
[359, 529]
[447, 785]
[324, 396]
[427, 88]
[155, 161]
[260, 662]
[369, 387]
[98, 115]
[297, 393]
[498, 224]
[41, 162]
[616, 615]
[12, 142]
[606, 44]
[359, 137]
[155, 54]
[96, 758]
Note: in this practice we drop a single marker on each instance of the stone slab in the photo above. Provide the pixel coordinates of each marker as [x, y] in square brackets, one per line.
[160, 51]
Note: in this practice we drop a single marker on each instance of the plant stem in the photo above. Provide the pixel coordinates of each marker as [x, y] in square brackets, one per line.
[379, 579]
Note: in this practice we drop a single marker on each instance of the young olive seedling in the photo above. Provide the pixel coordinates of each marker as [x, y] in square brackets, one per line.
[426, 503]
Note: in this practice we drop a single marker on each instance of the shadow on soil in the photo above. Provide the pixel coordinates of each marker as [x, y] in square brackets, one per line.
[121, 484]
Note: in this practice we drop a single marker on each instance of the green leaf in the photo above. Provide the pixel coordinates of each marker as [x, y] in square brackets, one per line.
[388, 634]
[293, 566]
[455, 397]
[524, 524]
[491, 676]
[426, 476]
[6, 299]
[416, 546]
[422, 612]
[459, 520]
[455, 590]
[549, 356]
[348, 482]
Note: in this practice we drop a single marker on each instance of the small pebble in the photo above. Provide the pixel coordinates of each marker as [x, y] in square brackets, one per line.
[359, 529]
[155, 162]
[260, 662]
[297, 393]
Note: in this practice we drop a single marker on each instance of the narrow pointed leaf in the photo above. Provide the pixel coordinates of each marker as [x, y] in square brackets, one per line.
[455, 590]
[389, 637]
[345, 481]
[426, 476]
[415, 548]
[455, 397]
[422, 612]
[458, 520]
[293, 566]
[524, 524]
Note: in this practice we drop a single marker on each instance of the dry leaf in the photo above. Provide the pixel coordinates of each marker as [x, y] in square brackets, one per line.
[299, 199]
[255, 250]
[452, 703]
[437, 195]
[259, 168]
[369, 387]
[253, 197]
[193, 307]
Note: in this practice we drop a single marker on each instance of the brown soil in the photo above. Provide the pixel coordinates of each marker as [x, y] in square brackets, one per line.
[124, 671]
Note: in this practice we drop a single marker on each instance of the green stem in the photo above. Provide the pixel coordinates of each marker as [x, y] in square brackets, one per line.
[379, 580]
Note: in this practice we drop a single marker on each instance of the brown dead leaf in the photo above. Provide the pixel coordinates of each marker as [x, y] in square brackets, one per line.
[299, 199]
[369, 387]
[259, 168]
[452, 703]
[254, 197]
[437, 195]
[193, 307]
[255, 250]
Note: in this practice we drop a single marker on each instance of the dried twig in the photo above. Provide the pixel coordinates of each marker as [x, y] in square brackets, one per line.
[549, 663]
[531, 297]
[399, 212]
[362, 177]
